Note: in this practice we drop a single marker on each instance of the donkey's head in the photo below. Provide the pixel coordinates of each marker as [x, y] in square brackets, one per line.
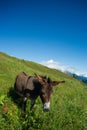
[47, 90]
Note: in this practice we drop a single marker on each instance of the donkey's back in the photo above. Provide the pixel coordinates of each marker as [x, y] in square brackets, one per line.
[20, 83]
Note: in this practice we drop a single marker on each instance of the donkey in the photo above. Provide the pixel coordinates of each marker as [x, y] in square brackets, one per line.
[33, 86]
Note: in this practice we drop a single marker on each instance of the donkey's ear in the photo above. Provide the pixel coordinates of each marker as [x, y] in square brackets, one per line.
[49, 80]
[39, 78]
[54, 83]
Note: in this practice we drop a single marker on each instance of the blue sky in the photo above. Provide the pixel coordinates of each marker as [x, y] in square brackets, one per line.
[45, 31]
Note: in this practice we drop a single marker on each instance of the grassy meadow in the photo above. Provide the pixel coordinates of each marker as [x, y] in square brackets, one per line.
[68, 104]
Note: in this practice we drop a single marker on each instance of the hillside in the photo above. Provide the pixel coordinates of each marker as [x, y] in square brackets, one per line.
[68, 103]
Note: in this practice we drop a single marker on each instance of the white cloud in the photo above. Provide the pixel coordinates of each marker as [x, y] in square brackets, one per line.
[57, 65]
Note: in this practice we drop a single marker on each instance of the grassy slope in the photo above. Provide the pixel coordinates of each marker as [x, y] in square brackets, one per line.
[68, 103]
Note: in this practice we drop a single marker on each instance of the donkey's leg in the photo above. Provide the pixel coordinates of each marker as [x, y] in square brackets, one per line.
[24, 103]
[32, 104]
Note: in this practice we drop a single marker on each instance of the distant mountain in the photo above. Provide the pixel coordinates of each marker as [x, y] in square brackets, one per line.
[78, 77]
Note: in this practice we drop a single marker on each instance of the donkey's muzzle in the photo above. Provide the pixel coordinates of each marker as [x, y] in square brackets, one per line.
[46, 106]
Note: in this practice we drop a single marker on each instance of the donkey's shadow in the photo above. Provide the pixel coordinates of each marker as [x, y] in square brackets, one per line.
[15, 97]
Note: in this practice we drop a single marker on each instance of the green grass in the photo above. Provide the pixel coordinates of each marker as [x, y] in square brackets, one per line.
[68, 103]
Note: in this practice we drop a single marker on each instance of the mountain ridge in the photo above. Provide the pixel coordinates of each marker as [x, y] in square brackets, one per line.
[78, 77]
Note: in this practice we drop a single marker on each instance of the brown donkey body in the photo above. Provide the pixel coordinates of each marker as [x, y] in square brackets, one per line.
[33, 86]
